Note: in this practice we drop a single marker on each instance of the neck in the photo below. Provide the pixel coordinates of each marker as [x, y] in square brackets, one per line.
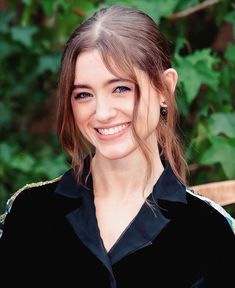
[114, 178]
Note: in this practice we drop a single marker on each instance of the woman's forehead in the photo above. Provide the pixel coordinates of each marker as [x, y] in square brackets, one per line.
[92, 61]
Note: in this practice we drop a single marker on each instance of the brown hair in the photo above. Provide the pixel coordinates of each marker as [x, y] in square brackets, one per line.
[126, 38]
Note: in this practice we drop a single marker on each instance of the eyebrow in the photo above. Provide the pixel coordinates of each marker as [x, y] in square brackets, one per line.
[111, 81]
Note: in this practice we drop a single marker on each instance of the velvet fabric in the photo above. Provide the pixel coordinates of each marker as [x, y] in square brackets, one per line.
[51, 237]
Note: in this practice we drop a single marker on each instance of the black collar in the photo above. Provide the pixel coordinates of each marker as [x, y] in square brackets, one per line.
[168, 187]
[168, 193]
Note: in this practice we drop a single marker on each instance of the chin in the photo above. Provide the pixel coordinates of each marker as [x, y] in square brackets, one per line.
[116, 154]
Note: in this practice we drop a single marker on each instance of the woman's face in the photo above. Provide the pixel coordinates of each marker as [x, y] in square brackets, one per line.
[103, 103]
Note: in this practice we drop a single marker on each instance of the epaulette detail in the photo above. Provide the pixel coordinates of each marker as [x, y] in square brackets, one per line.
[13, 197]
[215, 205]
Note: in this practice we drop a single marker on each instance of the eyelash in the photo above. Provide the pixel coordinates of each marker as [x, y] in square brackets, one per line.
[85, 95]
[123, 89]
[82, 95]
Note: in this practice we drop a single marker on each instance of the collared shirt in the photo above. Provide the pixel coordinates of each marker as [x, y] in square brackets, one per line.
[142, 230]
[51, 232]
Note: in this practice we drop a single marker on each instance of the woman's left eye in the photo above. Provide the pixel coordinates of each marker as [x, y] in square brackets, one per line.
[121, 89]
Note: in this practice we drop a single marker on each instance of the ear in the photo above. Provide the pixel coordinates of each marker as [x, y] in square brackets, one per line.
[170, 77]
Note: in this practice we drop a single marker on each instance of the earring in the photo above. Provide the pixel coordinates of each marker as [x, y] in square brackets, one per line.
[163, 111]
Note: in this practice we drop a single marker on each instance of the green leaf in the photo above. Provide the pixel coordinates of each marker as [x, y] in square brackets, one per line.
[183, 5]
[208, 76]
[157, 9]
[195, 70]
[222, 123]
[53, 168]
[180, 42]
[222, 151]
[230, 17]
[48, 6]
[6, 152]
[189, 78]
[6, 17]
[85, 7]
[6, 49]
[202, 134]
[48, 63]
[27, 2]
[230, 53]
[6, 114]
[24, 35]
[203, 55]
[23, 162]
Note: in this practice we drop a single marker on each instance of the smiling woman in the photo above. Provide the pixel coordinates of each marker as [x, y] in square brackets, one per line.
[103, 110]
[123, 212]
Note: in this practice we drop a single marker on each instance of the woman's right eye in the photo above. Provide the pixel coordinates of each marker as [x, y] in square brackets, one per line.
[82, 95]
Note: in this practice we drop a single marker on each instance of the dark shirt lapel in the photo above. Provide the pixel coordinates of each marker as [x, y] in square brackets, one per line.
[144, 228]
[153, 218]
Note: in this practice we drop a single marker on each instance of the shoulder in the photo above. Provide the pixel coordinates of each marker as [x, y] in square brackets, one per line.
[28, 194]
[208, 209]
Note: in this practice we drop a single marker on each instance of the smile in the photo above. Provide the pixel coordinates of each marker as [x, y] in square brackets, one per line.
[113, 130]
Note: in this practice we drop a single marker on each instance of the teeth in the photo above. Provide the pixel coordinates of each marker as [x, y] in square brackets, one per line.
[112, 130]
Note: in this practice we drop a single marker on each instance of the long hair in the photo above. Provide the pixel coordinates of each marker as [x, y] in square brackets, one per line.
[126, 39]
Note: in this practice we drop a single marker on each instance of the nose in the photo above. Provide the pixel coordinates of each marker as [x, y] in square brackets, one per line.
[105, 110]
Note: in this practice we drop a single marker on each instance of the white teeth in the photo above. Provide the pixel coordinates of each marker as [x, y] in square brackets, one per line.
[112, 130]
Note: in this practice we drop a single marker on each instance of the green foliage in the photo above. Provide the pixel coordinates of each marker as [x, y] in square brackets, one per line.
[195, 70]
[32, 35]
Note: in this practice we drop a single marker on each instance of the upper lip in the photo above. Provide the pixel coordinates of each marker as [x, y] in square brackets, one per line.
[111, 126]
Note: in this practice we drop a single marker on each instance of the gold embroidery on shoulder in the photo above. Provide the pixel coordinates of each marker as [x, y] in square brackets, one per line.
[12, 198]
[32, 185]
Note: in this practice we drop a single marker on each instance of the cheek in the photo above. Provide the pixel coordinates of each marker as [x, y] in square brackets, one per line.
[124, 104]
[154, 114]
[76, 114]
[127, 108]
[81, 112]
[79, 117]
[148, 112]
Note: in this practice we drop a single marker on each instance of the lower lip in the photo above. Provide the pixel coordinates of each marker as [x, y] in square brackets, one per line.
[112, 136]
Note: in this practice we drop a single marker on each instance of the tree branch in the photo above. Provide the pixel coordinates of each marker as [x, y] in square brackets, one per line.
[194, 9]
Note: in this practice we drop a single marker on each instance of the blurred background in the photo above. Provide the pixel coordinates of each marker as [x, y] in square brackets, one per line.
[32, 36]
